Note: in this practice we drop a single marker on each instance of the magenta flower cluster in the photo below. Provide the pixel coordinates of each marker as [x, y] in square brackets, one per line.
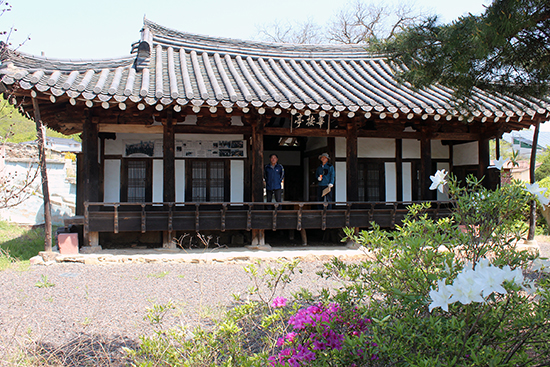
[319, 328]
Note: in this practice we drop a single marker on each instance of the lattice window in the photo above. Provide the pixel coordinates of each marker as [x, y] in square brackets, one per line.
[199, 181]
[208, 181]
[217, 181]
[371, 185]
[137, 173]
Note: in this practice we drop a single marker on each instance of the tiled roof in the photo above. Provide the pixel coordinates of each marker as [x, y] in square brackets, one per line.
[172, 68]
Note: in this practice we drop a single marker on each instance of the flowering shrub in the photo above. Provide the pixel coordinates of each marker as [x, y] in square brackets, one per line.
[325, 335]
[451, 291]
[476, 284]
[435, 292]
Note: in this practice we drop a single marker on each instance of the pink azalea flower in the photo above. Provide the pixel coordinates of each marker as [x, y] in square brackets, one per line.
[279, 302]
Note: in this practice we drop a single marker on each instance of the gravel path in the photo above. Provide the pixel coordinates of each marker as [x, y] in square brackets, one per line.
[92, 311]
[97, 309]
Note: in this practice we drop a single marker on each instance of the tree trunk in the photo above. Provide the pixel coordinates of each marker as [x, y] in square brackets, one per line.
[41, 135]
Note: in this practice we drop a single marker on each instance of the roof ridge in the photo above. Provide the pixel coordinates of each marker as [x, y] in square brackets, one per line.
[169, 37]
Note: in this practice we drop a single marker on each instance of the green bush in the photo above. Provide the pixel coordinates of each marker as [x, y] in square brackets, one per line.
[433, 292]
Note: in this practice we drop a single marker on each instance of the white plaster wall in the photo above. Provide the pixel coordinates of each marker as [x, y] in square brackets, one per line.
[340, 147]
[411, 149]
[440, 166]
[465, 154]
[111, 192]
[316, 142]
[407, 181]
[341, 188]
[189, 120]
[62, 192]
[391, 178]
[439, 151]
[180, 180]
[236, 121]
[158, 182]
[237, 180]
[375, 148]
[116, 147]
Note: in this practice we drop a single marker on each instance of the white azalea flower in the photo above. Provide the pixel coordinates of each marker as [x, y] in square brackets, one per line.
[517, 276]
[540, 264]
[490, 280]
[438, 181]
[441, 296]
[466, 294]
[537, 264]
[499, 163]
[537, 191]
[543, 200]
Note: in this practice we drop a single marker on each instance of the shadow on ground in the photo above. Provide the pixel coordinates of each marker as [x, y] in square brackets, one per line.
[83, 350]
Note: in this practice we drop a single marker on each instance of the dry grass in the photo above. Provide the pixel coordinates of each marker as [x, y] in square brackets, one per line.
[82, 350]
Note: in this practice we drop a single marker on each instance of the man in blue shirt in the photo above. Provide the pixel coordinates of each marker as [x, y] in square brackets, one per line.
[325, 175]
[274, 174]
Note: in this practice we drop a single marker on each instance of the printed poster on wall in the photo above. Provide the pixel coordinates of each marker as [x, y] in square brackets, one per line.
[211, 148]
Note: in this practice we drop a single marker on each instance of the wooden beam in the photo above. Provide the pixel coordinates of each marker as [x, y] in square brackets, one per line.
[281, 131]
[455, 136]
[41, 135]
[352, 165]
[169, 171]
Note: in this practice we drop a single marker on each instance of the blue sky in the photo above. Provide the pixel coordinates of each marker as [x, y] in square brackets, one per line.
[79, 29]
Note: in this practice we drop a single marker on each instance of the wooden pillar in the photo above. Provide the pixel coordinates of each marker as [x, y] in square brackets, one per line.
[352, 164]
[90, 150]
[484, 161]
[425, 166]
[399, 168]
[41, 135]
[257, 161]
[258, 235]
[90, 181]
[533, 205]
[169, 172]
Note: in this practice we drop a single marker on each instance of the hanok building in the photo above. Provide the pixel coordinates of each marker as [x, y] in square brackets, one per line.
[176, 135]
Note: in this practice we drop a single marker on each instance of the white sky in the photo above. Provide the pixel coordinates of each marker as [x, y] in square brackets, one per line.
[79, 29]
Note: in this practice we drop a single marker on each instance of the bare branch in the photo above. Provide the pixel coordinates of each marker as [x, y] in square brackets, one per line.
[307, 32]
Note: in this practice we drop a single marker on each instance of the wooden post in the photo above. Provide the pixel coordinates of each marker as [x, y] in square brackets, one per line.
[169, 178]
[258, 235]
[533, 205]
[41, 135]
[257, 161]
[399, 169]
[169, 173]
[425, 166]
[352, 165]
[90, 151]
